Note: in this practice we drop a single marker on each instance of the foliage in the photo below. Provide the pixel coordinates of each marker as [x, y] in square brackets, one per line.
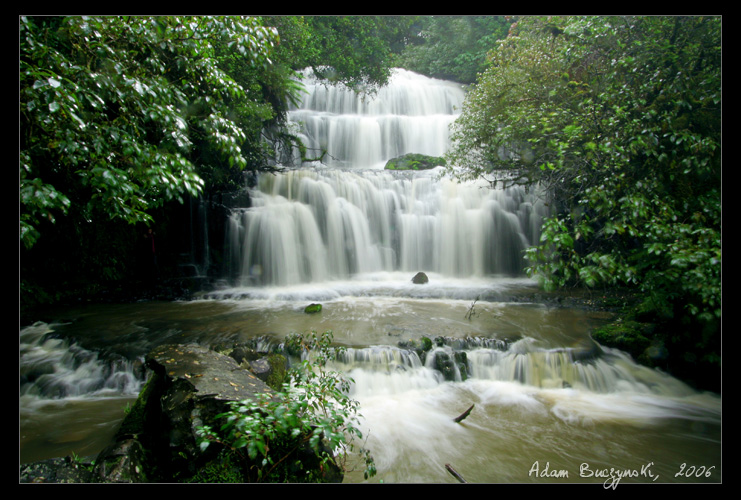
[124, 117]
[356, 51]
[619, 118]
[314, 410]
[453, 47]
[111, 108]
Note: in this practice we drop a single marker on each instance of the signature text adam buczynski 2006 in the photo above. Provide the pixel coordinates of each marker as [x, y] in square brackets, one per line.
[612, 476]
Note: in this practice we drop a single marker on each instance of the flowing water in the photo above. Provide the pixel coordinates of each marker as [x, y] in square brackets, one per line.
[549, 405]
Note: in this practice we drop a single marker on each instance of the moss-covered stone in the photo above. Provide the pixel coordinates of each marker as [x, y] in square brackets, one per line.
[313, 308]
[279, 370]
[414, 161]
[629, 336]
[420, 279]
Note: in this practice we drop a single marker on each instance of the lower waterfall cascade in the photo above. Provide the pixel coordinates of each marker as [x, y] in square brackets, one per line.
[318, 225]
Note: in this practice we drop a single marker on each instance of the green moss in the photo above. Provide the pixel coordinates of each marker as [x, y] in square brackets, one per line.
[219, 470]
[414, 161]
[629, 336]
[278, 372]
[313, 308]
[133, 422]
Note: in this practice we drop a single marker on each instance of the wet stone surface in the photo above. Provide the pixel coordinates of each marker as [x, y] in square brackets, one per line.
[210, 373]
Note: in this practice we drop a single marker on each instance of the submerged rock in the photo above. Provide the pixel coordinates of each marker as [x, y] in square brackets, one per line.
[453, 365]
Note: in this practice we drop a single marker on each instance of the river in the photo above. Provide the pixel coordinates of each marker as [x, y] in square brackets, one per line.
[536, 405]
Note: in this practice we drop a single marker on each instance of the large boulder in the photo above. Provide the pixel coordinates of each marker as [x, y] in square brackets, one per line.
[189, 385]
[414, 161]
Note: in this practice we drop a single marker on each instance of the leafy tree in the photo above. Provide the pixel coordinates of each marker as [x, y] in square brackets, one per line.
[356, 51]
[619, 118]
[118, 113]
[453, 47]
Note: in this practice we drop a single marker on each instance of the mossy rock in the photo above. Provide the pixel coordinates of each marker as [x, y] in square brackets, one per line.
[279, 371]
[414, 161]
[313, 308]
[629, 336]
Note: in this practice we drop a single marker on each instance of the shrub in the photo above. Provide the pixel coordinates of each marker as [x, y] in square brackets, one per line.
[305, 433]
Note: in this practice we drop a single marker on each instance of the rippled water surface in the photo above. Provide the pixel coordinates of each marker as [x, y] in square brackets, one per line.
[545, 410]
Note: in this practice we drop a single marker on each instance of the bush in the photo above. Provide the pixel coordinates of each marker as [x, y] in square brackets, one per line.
[305, 433]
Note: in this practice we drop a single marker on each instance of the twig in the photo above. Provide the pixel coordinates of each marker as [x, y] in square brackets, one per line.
[454, 473]
[471, 311]
[463, 415]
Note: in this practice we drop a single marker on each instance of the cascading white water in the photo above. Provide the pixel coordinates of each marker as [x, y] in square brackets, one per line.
[522, 362]
[308, 226]
[54, 368]
[327, 223]
[411, 115]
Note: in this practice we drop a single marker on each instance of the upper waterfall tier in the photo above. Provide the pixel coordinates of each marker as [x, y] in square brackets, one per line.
[412, 114]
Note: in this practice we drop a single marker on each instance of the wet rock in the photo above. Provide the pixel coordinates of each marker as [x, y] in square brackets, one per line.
[313, 308]
[420, 279]
[191, 386]
[121, 462]
[261, 368]
[414, 161]
[452, 365]
[56, 470]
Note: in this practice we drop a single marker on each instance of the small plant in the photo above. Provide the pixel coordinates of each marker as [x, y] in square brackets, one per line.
[274, 435]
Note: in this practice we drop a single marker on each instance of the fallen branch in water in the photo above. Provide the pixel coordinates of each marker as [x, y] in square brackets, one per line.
[471, 310]
[463, 415]
[454, 473]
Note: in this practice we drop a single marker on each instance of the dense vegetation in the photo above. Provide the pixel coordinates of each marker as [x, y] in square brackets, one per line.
[120, 117]
[620, 119]
[452, 47]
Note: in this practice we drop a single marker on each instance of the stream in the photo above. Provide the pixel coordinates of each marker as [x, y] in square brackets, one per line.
[544, 410]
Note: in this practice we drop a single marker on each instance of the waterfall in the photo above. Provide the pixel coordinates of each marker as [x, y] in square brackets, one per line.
[412, 114]
[347, 216]
[387, 369]
[57, 368]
